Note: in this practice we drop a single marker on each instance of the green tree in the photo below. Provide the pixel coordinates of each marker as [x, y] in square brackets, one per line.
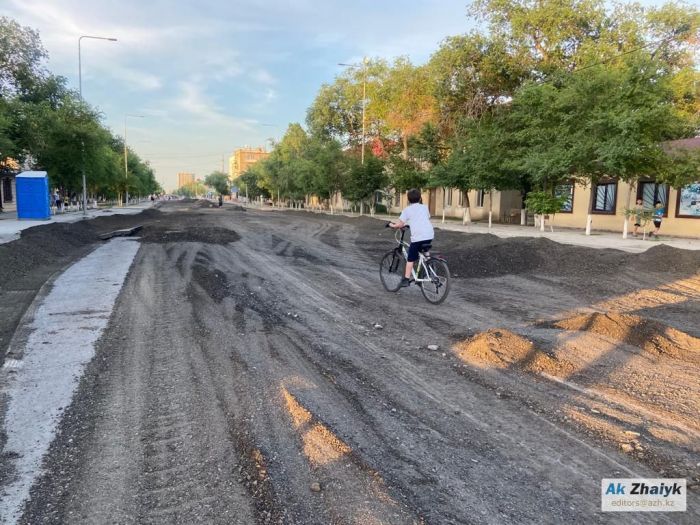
[219, 181]
[364, 181]
[328, 168]
[405, 101]
[249, 182]
[336, 112]
[21, 57]
[192, 190]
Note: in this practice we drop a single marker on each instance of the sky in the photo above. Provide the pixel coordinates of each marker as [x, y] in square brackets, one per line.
[210, 76]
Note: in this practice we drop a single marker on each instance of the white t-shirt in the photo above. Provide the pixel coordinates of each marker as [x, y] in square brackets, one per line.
[417, 216]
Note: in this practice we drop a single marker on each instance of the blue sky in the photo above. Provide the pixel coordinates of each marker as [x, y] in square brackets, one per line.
[210, 76]
[213, 75]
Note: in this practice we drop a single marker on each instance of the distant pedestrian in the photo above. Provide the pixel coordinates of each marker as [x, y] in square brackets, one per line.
[657, 217]
[638, 209]
[57, 201]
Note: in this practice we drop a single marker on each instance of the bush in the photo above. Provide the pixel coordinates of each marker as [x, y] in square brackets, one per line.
[543, 203]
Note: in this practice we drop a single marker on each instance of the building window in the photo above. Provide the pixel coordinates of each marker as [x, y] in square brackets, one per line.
[566, 190]
[461, 199]
[688, 204]
[604, 199]
[449, 197]
[480, 198]
[650, 193]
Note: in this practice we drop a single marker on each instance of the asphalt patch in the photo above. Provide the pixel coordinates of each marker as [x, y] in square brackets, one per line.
[208, 235]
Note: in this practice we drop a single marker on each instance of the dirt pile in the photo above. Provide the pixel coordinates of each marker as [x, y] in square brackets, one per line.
[207, 235]
[38, 246]
[651, 336]
[486, 255]
[504, 349]
[42, 250]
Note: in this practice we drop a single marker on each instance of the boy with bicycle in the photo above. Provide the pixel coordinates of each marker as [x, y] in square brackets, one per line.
[417, 216]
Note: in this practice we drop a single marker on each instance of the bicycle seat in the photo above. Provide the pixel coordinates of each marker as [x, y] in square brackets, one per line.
[425, 248]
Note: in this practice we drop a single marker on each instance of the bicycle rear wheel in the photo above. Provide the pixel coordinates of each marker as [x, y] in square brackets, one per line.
[391, 270]
[437, 289]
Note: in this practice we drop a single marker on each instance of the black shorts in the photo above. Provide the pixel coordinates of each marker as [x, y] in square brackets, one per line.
[657, 223]
[415, 247]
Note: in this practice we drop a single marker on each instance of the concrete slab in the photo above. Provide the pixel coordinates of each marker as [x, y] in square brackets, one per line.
[39, 381]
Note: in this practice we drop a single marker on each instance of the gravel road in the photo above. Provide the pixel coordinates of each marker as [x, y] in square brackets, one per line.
[255, 371]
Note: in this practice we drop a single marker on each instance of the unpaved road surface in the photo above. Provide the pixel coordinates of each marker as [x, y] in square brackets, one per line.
[254, 371]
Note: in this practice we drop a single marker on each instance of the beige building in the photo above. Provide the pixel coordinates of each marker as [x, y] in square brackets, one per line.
[681, 206]
[607, 208]
[184, 178]
[244, 158]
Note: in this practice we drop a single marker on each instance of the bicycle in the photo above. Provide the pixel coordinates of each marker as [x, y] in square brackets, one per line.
[430, 273]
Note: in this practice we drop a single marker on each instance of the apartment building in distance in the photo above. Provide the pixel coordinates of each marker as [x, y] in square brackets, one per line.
[244, 158]
[184, 178]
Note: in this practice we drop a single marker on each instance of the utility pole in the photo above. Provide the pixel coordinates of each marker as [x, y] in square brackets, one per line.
[80, 91]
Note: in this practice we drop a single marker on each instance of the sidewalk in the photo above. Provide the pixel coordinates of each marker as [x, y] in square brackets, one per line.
[575, 237]
[11, 227]
[599, 240]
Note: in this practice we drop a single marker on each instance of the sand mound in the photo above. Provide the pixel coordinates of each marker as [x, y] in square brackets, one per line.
[504, 349]
[651, 336]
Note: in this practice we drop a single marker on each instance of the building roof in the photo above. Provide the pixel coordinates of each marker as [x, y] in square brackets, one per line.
[32, 175]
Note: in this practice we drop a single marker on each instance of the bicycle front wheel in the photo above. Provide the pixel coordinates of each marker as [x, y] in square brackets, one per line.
[391, 270]
[435, 291]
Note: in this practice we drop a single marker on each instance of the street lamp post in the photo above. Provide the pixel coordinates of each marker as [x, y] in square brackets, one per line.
[364, 100]
[80, 90]
[126, 159]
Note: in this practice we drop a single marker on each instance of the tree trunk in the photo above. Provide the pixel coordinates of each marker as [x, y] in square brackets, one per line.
[589, 217]
[523, 217]
[625, 225]
[542, 222]
[444, 200]
[490, 207]
[467, 217]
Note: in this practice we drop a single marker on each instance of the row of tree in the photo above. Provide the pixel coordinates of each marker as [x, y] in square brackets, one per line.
[45, 125]
[551, 91]
[216, 182]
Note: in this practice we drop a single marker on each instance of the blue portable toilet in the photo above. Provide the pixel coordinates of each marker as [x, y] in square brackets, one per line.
[33, 195]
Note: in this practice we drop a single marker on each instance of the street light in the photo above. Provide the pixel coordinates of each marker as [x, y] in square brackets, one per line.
[80, 90]
[364, 99]
[126, 155]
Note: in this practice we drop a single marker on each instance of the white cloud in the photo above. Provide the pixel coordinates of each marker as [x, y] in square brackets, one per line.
[203, 110]
[135, 79]
[263, 76]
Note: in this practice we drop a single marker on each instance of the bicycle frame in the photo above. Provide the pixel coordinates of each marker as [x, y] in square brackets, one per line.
[422, 258]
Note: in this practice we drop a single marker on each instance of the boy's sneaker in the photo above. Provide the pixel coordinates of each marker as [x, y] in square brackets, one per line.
[405, 282]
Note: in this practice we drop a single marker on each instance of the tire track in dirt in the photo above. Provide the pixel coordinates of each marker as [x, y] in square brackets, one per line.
[265, 360]
[412, 378]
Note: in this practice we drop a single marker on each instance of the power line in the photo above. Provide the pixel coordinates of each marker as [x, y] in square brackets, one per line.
[218, 155]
